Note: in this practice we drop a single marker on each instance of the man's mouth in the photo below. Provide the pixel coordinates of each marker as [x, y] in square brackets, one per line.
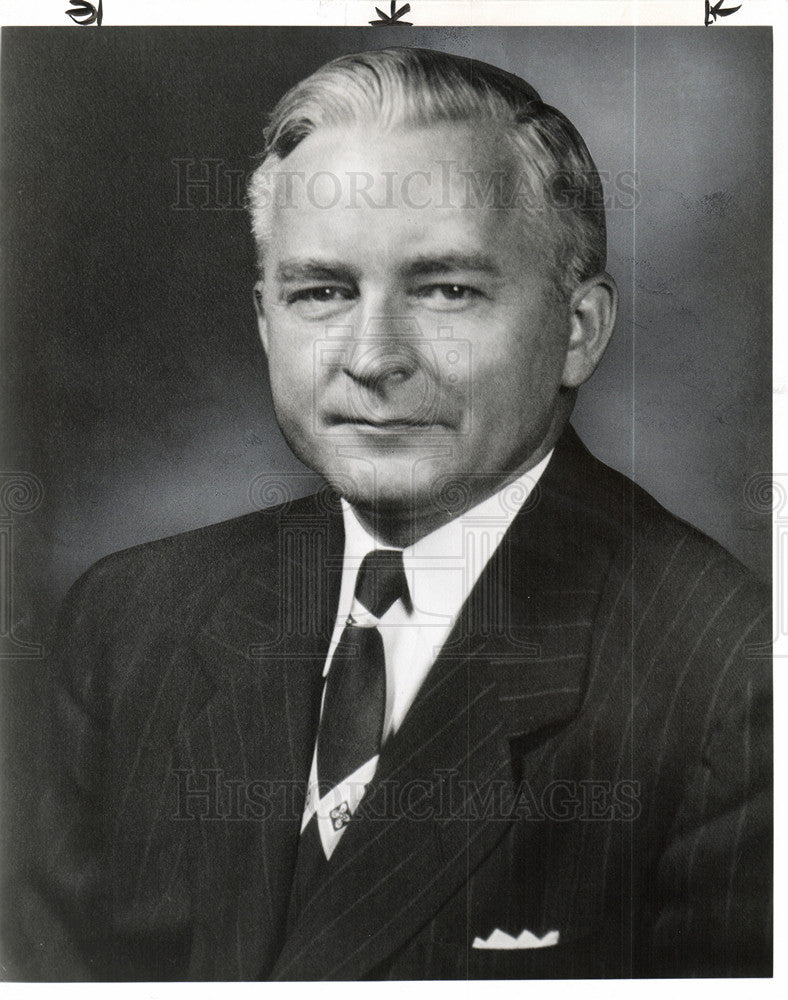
[398, 425]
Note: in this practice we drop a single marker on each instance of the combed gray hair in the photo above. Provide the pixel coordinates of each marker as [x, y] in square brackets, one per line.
[398, 87]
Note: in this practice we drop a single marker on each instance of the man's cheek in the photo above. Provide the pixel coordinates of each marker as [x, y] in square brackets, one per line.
[293, 406]
[291, 381]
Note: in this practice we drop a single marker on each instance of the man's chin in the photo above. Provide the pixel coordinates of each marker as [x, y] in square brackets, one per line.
[390, 483]
[371, 495]
[391, 503]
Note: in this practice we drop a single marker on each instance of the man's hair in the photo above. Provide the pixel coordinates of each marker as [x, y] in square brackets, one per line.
[410, 87]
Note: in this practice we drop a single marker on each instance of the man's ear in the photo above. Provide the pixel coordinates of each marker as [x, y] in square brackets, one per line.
[262, 323]
[592, 309]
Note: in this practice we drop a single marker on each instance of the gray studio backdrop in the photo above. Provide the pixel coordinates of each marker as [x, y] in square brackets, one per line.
[133, 383]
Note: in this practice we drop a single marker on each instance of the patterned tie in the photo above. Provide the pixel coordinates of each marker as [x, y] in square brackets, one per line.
[351, 724]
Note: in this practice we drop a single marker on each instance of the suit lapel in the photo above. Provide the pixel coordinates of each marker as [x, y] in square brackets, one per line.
[400, 855]
[514, 668]
[263, 645]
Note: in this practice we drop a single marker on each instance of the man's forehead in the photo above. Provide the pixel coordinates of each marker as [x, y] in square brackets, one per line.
[440, 165]
[469, 140]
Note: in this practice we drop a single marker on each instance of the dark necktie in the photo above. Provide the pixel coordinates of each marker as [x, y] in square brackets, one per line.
[351, 723]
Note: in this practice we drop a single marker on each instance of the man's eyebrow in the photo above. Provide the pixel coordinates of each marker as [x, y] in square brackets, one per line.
[312, 269]
[473, 261]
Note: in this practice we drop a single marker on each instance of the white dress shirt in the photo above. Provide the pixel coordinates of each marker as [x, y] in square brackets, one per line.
[441, 570]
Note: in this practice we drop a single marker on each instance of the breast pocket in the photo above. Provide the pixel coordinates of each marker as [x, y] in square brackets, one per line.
[582, 958]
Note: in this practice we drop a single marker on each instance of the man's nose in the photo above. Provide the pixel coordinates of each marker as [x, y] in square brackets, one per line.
[384, 351]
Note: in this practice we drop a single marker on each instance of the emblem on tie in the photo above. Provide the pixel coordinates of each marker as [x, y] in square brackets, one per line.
[340, 816]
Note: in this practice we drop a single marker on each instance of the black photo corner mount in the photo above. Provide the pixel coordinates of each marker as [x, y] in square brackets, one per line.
[84, 13]
[717, 10]
[394, 16]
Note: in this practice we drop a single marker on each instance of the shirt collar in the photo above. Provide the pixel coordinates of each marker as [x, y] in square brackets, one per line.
[442, 568]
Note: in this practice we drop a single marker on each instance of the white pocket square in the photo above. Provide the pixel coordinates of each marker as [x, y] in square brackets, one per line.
[500, 939]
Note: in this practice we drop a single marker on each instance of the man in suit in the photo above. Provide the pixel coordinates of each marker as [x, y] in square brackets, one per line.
[479, 709]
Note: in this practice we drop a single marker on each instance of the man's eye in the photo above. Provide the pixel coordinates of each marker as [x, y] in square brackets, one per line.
[319, 294]
[449, 295]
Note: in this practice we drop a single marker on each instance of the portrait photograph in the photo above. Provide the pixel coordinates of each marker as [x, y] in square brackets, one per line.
[387, 501]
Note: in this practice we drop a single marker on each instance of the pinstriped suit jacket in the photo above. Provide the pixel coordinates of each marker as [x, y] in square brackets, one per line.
[590, 754]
